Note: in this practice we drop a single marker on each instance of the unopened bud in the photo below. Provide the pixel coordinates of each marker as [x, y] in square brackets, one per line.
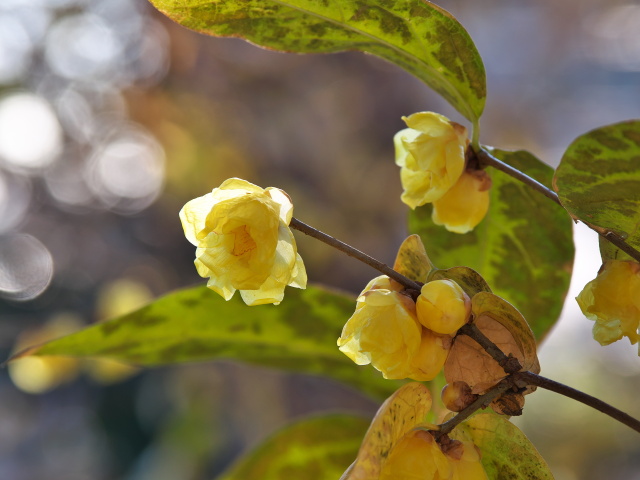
[457, 396]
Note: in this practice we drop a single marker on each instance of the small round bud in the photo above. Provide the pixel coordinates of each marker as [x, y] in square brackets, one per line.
[457, 396]
[443, 306]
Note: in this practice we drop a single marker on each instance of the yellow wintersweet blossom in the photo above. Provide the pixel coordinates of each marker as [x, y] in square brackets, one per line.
[612, 300]
[244, 241]
[431, 154]
[432, 354]
[465, 463]
[464, 206]
[383, 331]
[443, 306]
[416, 456]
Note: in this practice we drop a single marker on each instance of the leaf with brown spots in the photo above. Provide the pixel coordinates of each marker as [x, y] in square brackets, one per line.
[196, 325]
[507, 454]
[399, 414]
[412, 260]
[504, 326]
[416, 35]
[598, 181]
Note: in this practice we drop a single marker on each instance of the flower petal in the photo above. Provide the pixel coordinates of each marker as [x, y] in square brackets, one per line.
[194, 215]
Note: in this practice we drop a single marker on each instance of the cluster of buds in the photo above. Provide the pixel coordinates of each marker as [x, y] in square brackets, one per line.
[400, 337]
[432, 157]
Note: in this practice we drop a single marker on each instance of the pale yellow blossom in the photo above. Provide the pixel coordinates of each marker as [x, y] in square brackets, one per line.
[244, 242]
[383, 331]
[431, 154]
[465, 204]
[612, 300]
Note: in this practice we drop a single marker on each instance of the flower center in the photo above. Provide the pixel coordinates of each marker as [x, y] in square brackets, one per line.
[242, 241]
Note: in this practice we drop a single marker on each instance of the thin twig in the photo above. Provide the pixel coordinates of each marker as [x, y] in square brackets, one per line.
[593, 402]
[485, 158]
[352, 252]
[508, 363]
[482, 401]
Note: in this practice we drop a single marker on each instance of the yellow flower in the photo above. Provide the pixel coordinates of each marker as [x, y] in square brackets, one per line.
[383, 331]
[612, 300]
[416, 456]
[464, 206]
[431, 154]
[432, 354]
[465, 463]
[443, 306]
[244, 241]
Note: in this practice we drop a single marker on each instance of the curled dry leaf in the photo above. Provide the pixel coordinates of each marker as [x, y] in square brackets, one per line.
[399, 414]
[509, 403]
[504, 326]
[412, 260]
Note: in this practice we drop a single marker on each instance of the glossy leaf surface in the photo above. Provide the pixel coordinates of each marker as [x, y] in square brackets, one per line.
[417, 35]
[319, 448]
[198, 325]
[507, 454]
[598, 180]
[523, 248]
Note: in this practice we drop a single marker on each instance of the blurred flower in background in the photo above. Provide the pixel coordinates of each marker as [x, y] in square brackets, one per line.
[112, 117]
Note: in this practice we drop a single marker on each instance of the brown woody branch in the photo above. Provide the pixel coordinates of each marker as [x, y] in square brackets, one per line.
[484, 158]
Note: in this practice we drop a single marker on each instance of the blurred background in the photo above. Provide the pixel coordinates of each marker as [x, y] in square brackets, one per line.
[112, 117]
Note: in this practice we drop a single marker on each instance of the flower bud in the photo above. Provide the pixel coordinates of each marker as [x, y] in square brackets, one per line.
[463, 206]
[457, 396]
[244, 241]
[443, 306]
[417, 456]
[431, 154]
[612, 300]
[383, 331]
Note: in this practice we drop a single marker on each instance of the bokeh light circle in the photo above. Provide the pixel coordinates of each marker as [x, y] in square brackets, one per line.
[26, 267]
[30, 134]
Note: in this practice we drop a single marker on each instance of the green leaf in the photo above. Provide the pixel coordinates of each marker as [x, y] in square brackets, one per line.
[507, 454]
[523, 248]
[417, 35]
[598, 180]
[196, 324]
[318, 448]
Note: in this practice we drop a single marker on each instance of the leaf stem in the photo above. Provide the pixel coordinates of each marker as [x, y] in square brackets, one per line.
[486, 159]
[353, 252]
